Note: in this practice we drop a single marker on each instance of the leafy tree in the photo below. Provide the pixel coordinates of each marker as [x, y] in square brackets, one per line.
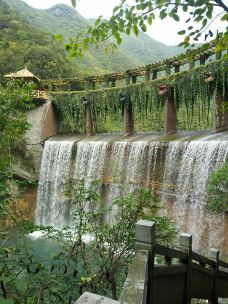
[132, 16]
[48, 63]
[15, 99]
[21, 44]
[217, 189]
[99, 265]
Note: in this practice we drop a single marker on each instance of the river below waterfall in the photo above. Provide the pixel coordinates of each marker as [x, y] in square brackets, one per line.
[176, 170]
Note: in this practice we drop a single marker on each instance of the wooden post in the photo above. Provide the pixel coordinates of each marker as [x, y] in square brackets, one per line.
[202, 59]
[220, 116]
[145, 240]
[113, 83]
[214, 255]
[168, 260]
[185, 242]
[107, 84]
[170, 119]
[154, 74]
[218, 55]
[177, 68]
[192, 64]
[134, 79]
[93, 85]
[128, 79]
[168, 68]
[147, 74]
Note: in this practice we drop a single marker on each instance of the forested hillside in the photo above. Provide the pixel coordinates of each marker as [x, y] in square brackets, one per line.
[27, 39]
[21, 44]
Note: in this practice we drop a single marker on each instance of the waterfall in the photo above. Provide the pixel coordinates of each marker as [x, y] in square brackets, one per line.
[90, 160]
[187, 168]
[178, 171]
[53, 208]
[116, 176]
[132, 165]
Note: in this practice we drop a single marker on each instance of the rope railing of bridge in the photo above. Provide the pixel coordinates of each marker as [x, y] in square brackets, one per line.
[179, 276]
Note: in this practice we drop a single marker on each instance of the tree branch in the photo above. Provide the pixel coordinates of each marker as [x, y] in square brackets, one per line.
[222, 5]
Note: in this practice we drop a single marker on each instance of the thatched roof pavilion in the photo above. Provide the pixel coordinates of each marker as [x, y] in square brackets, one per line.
[24, 74]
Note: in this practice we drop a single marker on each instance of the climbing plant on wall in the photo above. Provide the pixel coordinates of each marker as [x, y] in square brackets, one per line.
[15, 98]
[193, 91]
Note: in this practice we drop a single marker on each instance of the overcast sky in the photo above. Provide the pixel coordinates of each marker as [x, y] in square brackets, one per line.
[164, 31]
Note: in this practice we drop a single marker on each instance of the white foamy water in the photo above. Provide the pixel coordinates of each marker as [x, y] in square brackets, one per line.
[116, 176]
[53, 207]
[90, 160]
[182, 168]
[187, 168]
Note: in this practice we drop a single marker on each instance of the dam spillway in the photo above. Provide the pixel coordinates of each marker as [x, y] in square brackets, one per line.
[177, 171]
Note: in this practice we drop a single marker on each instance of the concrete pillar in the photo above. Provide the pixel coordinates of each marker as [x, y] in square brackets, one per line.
[220, 116]
[128, 119]
[89, 121]
[144, 235]
[214, 255]
[91, 298]
[49, 123]
[145, 240]
[185, 243]
[170, 119]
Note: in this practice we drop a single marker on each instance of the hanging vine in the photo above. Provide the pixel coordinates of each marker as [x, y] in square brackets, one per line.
[193, 91]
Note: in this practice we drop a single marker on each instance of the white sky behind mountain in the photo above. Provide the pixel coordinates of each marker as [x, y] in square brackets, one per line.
[164, 31]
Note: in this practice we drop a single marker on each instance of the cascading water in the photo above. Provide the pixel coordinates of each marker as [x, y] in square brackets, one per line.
[187, 168]
[116, 176]
[179, 170]
[53, 208]
[90, 160]
[131, 165]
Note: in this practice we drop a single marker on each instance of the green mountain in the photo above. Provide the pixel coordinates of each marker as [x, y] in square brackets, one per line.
[21, 44]
[64, 20]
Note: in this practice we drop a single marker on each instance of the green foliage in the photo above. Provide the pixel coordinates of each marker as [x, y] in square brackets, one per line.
[21, 44]
[134, 17]
[192, 96]
[63, 22]
[15, 99]
[217, 188]
[99, 266]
